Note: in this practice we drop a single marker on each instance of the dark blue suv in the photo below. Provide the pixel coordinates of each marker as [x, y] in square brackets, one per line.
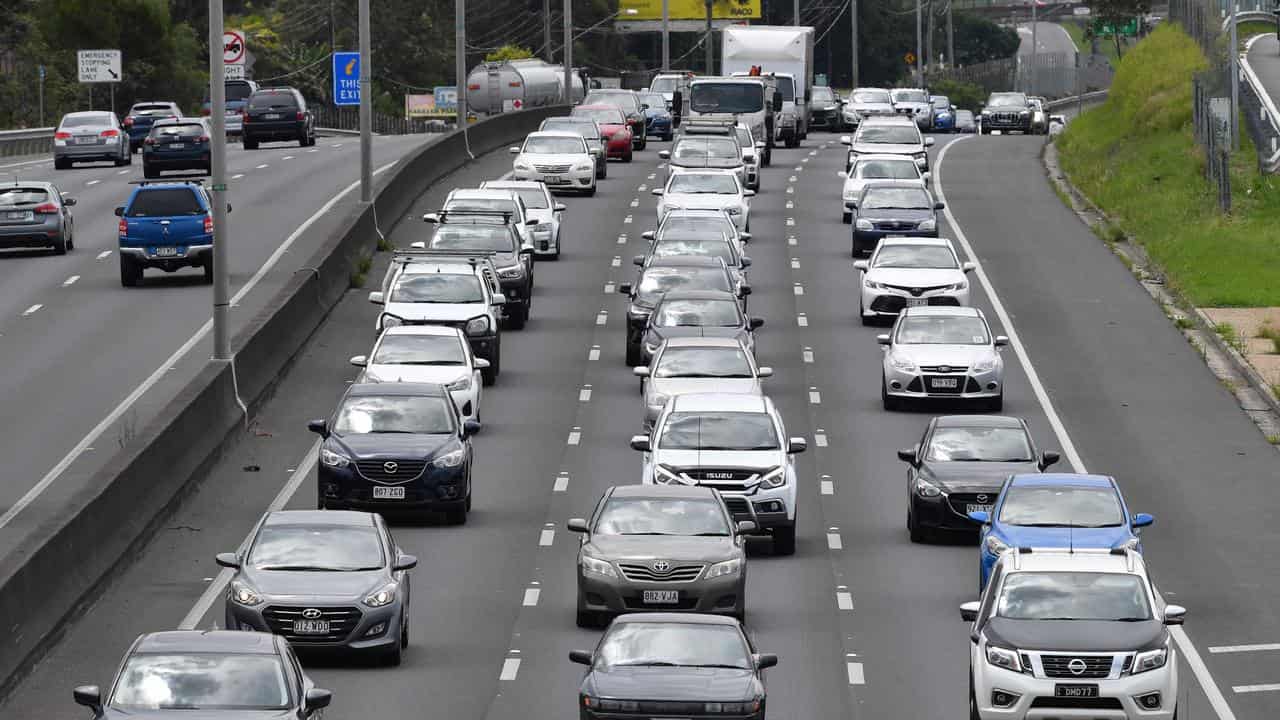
[165, 225]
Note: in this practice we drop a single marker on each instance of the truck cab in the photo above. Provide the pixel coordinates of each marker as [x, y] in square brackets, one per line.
[751, 100]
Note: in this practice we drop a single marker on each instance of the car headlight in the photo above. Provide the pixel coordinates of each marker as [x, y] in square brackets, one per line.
[658, 400]
[1004, 658]
[666, 476]
[384, 596]
[477, 325]
[920, 155]
[986, 113]
[929, 224]
[521, 165]
[1150, 660]
[926, 489]
[986, 364]
[873, 285]
[902, 364]
[584, 167]
[775, 478]
[734, 210]
[510, 273]
[728, 567]
[450, 459]
[244, 595]
[333, 459]
[462, 383]
[994, 545]
[829, 108]
[962, 285]
[596, 566]
[864, 224]
[390, 321]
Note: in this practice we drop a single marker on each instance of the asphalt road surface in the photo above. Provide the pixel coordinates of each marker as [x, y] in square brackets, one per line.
[1051, 38]
[865, 623]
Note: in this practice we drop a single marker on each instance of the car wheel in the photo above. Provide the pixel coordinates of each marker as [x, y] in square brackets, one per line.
[867, 320]
[633, 354]
[517, 319]
[846, 218]
[249, 143]
[120, 160]
[784, 540]
[60, 245]
[148, 172]
[627, 157]
[208, 271]
[973, 701]
[590, 192]
[404, 630]
[489, 375]
[130, 273]
[468, 504]
[456, 517]
[667, 137]
[71, 239]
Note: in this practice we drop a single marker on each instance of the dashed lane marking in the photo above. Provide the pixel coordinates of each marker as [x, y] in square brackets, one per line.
[833, 539]
[820, 438]
[70, 281]
[237, 176]
[1273, 687]
[561, 484]
[826, 486]
[791, 179]
[795, 263]
[855, 673]
[790, 205]
[103, 255]
[594, 353]
[627, 220]
[802, 320]
[531, 597]
[617, 261]
[635, 202]
[262, 166]
[807, 354]
[608, 288]
[1244, 648]
[287, 157]
[651, 176]
[798, 289]
[815, 397]
[93, 182]
[575, 436]
[791, 240]
[122, 172]
[642, 188]
[844, 599]
[510, 669]
[603, 317]
[32, 310]
[584, 395]
[791, 222]
[547, 536]
[791, 191]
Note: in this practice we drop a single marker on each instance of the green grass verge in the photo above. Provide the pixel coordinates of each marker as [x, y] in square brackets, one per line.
[1136, 158]
[1247, 30]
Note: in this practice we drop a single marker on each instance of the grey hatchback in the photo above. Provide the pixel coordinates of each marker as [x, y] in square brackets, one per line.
[89, 136]
[36, 215]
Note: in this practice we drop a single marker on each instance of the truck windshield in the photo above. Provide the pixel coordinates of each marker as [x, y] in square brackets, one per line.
[726, 98]
[787, 87]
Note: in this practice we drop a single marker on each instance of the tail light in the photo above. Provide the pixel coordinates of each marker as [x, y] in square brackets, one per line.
[128, 122]
[205, 111]
[124, 227]
[300, 116]
[61, 135]
[208, 224]
[149, 141]
[244, 115]
[46, 209]
[110, 133]
[203, 138]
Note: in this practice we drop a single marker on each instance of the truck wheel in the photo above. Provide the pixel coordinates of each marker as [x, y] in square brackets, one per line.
[249, 143]
[61, 164]
[130, 273]
[148, 172]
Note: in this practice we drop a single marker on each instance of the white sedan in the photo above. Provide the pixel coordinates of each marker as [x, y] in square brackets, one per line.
[431, 354]
[866, 168]
[910, 272]
[540, 206]
[562, 160]
[707, 189]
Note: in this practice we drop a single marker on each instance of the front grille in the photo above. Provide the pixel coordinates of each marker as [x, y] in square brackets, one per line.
[889, 303]
[551, 168]
[391, 471]
[637, 572]
[938, 368]
[342, 620]
[737, 506]
[1099, 703]
[960, 501]
[896, 225]
[917, 291]
[1056, 666]
[720, 475]
[1005, 117]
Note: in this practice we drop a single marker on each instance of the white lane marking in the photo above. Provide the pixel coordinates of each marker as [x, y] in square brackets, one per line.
[815, 397]
[531, 597]
[617, 261]
[1256, 688]
[336, 145]
[1189, 651]
[791, 222]
[260, 167]
[70, 281]
[103, 255]
[1244, 648]
[792, 241]
[791, 205]
[855, 673]
[827, 487]
[807, 353]
[642, 188]
[804, 160]
[510, 668]
[798, 289]
[791, 191]
[791, 179]
[844, 600]
[799, 168]
[603, 317]
[594, 353]
[622, 238]
[561, 484]
[795, 263]
[218, 587]
[287, 157]
[584, 395]
[608, 288]
[119, 410]
[627, 220]
[237, 176]
[575, 436]
[123, 172]
[635, 202]
[651, 176]
[546, 537]
[833, 540]
[93, 182]
[32, 310]
[313, 150]
[820, 438]
[801, 320]
[812, 153]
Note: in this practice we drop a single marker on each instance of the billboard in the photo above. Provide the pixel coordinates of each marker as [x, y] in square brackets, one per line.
[690, 9]
[419, 105]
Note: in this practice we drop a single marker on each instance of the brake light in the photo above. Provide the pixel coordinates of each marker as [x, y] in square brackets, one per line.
[110, 133]
[208, 224]
[60, 135]
[205, 111]
[149, 141]
[203, 138]
[47, 209]
[128, 121]
[124, 227]
[300, 116]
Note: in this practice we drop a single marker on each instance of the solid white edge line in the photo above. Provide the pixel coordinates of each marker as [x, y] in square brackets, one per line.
[219, 584]
[1262, 647]
[1207, 683]
[24, 164]
[32, 310]
[1256, 688]
[56, 471]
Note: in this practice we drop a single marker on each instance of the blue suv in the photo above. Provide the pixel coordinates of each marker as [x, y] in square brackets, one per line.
[165, 225]
[1056, 510]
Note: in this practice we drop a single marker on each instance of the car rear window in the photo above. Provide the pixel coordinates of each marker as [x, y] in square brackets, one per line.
[273, 99]
[162, 202]
[238, 91]
[86, 121]
[185, 130]
[11, 196]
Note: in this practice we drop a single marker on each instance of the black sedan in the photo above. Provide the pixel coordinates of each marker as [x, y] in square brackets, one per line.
[661, 276]
[960, 465]
[673, 665]
[697, 313]
[892, 208]
[207, 673]
[396, 448]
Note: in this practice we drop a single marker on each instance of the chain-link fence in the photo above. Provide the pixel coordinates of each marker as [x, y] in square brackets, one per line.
[349, 119]
[1051, 75]
[1211, 116]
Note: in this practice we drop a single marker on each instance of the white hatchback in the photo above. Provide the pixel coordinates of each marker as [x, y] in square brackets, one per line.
[431, 354]
[707, 190]
[910, 272]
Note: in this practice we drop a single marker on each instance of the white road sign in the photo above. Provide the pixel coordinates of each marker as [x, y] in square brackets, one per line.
[99, 66]
[233, 55]
[233, 72]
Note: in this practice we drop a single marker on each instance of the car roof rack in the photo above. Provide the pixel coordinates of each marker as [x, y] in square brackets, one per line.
[442, 216]
[191, 180]
[425, 254]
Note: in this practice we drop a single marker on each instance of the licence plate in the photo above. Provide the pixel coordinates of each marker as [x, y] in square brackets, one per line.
[917, 302]
[1075, 691]
[974, 507]
[20, 215]
[271, 116]
[950, 383]
[553, 179]
[662, 597]
[388, 493]
[166, 251]
[176, 146]
[311, 627]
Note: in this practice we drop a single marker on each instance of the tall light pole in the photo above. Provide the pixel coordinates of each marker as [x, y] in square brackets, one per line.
[919, 46]
[795, 12]
[1035, 48]
[366, 107]
[853, 44]
[666, 35]
[218, 187]
[710, 39]
[568, 52]
[951, 37]
[460, 59]
[546, 29]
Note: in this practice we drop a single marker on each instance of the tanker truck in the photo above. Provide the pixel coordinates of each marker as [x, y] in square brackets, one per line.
[496, 87]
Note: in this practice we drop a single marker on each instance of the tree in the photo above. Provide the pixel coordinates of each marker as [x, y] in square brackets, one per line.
[508, 52]
[1118, 13]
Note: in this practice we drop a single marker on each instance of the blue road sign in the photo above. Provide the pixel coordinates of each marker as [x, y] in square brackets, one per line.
[346, 78]
[41, 72]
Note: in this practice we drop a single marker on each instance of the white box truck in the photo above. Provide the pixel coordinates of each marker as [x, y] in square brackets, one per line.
[783, 51]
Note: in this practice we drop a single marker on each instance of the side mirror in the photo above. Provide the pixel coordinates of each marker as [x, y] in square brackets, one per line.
[641, 443]
[797, 445]
[638, 261]
[969, 611]
[939, 205]
[581, 657]
[648, 235]
[664, 154]
[514, 150]
[431, 218]
[482, 364]
[883, 339]
[756, 323]
[748, 193]
[861, 265]
[846, 140]
[624, 289]
[1174, 614]
[89, 696]
[499, 299]
[744, 290]
[745, 236]
[777, 101]
[766, 660]
[746, 262]
[926, 176]
[68, 201]
[746, 526]
[657, 191]
[969, 267]
[227, 560]
[907, 455]
[119, 213]
[928, 142]
[982, 517]
[405, 562]
[319, 427]
[228, 207]
[376, 297]
[559, 207]
[640, 371]
[577, 525]
[470, 427]
[317, 699]
[1001, 341]
[764, 372]
[360, 360]
[851, 204]
[1142, 520]
[1047, 458]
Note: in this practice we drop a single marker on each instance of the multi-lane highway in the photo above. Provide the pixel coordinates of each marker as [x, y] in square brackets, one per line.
[1051, 38]
[865, 623]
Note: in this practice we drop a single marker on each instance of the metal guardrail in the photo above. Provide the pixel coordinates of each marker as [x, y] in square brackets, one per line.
[1260, 115]
[1266, 16]
[32, 141]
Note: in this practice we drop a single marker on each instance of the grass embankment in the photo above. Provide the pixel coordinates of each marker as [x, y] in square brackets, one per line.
[1135, 156]
[1106, 45]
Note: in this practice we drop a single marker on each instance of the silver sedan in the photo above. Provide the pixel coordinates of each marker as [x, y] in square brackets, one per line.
[90, 136]
[942, 353]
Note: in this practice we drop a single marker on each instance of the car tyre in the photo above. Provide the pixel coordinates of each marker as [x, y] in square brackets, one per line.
[60, 245]
[846, 218]
[973, 701]
[633, 354]
[250, 143]
[404, 630]
[392, 655]
[456, 517]
[489, 375]
[61, 164]
[784, 540]
[867, 320]
[208, 271]
[130, 273]
[627, 157]
[667, 137]
[71, 239]
[916, 533]
[591, 191]
[519, 318]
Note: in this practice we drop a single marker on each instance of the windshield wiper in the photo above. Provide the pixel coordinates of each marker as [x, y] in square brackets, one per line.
[428, 362]
[392, 432]
[645, 533]
[711, 534]
[298, 568]
[648, 663]
[717, 665]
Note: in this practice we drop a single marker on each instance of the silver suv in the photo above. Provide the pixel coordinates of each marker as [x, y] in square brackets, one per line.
[733, 443]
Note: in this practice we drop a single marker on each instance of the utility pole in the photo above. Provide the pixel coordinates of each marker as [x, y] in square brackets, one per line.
[1035, 48]
[366, 107]
[853, 42]
[929, 58]
[1235, 77]
[218, 187]
[919, 46]
[568, 52]
[460, 59]
[795, 12]
[546, 29]
[951, 36]
[710, 39]
[666, 35]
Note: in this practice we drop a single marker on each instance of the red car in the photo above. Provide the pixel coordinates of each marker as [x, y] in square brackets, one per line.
[614, 131]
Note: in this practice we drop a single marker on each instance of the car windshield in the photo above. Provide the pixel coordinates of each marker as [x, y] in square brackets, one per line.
[373, 414]
[1008, 100]
[272, 100]
[201, 681]
[910, 96]
[316, 548]
[473, 237]
[915, 256]
[895, 198]
[904, 169]
[699, 150]
[663, 85]
[716, 362]
[186, 130]
[502, 205]
[889, 135]
[396, 349]
[941, 102]
[707, 97]
[672, 644]
[164, 202]
[822, 93]
[872, 97]
[1081, 507]
[670, 246]
[622, 99]
[547, 145]
[661, 516]
[151, 109]
[1073, 596]
[979, 444]
[534, 198]
[13, 196]
[657, 281]
[697, 313]
[700, 183]
[653, 100]
[603, 115]
[94, 120]
[740, 431]
[942, 330]
[438, 288]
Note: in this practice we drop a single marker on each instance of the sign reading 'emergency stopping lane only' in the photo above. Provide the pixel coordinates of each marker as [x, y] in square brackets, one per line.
[99, 66]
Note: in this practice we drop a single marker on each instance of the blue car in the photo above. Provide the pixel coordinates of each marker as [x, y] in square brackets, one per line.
[165, 225]
[177, 144]
[944, 114]
[141, 117]
[657, 117]
[1056, 510]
